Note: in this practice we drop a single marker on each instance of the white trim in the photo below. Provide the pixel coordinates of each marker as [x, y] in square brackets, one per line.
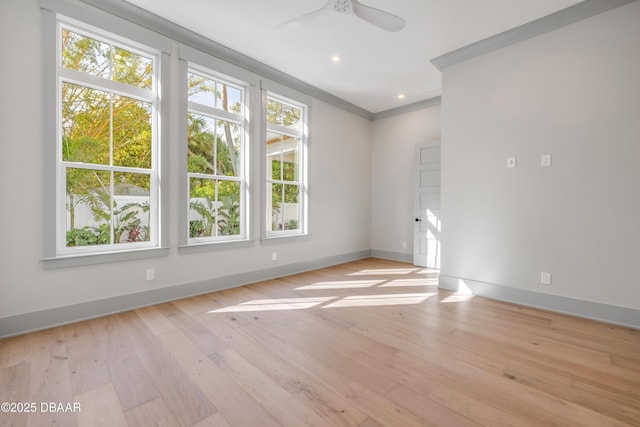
[103, 258]
[79, 78]
[284, 93]
[88, 15]
[392, 256]
[420, 105]
[38, 320]
[242, 175]
[205, 62]
[562, 18]
[215, 113]
[588, 309]
[100, 22]
[196, 41]
[303, 161]
[106, 85]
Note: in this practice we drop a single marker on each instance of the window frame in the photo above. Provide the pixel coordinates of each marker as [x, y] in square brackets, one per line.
[189, 57]
[241, 177]
[302, 134]
[78, 78]
[128, 36]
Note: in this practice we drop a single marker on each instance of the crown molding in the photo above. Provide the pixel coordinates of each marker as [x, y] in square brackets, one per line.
[426, 103]
[162, 26]
[529, 30]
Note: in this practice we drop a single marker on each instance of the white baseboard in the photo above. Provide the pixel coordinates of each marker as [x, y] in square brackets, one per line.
[29, 322]
[622, 316]
[392, 256]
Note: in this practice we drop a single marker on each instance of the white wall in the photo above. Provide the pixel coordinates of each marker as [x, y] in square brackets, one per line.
[574, 93]
[392, 169]
[339, 195]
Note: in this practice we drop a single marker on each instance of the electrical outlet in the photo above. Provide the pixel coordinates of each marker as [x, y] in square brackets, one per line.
[545, 278]
[545, 160]
[511, 162]
[404, 245]
[274, 256]
[151, 273]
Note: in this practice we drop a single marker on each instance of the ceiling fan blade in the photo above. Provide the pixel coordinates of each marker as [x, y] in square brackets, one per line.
[293, 23]
[377, 17]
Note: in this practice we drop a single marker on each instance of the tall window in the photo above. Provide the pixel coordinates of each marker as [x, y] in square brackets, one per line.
[107, 143]
[215, 158]
[285, 166]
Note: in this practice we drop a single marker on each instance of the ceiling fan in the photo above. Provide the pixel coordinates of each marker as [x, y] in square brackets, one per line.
[377, 17]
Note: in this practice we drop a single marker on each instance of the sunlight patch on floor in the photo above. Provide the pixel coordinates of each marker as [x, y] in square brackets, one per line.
[275, 304]
[456, 298]
[399, 283]
[464, 293]
[378, 300]
[340, 284]
[384, 271]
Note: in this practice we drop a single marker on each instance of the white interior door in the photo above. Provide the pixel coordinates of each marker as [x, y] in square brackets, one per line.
[426, 234]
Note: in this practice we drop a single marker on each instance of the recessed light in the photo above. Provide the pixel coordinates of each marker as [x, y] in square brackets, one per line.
[401, 96]
[335, 58]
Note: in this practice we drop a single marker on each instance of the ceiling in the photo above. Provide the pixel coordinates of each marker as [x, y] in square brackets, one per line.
[375, 66]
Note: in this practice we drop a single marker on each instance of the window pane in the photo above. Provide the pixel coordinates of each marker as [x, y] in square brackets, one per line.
[131, 207]
[274, 112]
[88, 212]
[214, 208]
[290, 152]
[291, 209]
[228, 148]
[85, 54]
[291, 117]
[132, 69]
[201, 90]
[85, 124]
[274, 155]
[228, 208]
[131, 132]
[276, 207]
[230, 98]
[200, 137]
[202, 207]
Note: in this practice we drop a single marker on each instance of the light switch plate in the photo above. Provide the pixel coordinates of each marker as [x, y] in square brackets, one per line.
[511, 162]
[545, 278]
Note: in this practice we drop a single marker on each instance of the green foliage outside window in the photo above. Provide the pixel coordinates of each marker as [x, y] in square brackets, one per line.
[102, 128]
[213, 160]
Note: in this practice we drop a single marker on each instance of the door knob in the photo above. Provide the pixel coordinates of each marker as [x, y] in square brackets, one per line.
[418, 220]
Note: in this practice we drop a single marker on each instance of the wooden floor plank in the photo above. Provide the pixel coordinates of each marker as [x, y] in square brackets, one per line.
[155, 320]
[86, 367]
[215, 420]
[234, 403]
[100, 407]
[295, 381]
[186, 401]
[153, 413]
[50, 381]
[130, 378]
[282, 405]
[201, 336]
[368, 343]
[15, 384]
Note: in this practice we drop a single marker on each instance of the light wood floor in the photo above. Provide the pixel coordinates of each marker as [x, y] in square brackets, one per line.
[367, 343]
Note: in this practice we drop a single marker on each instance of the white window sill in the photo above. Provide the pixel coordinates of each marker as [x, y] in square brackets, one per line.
[208, 246]
[284, 238]
[102, 258]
